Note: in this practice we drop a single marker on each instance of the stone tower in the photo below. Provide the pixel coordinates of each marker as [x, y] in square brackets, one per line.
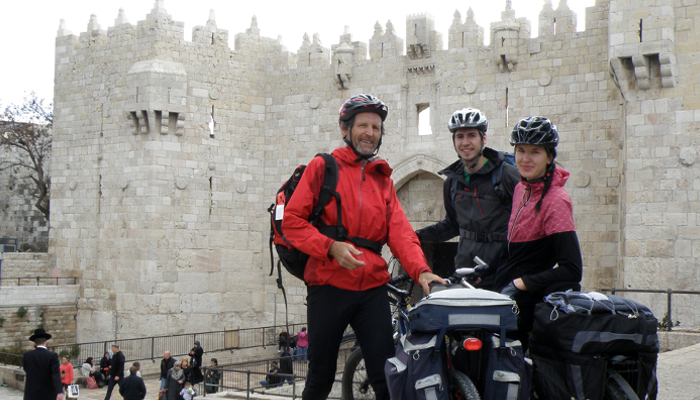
[167, 153]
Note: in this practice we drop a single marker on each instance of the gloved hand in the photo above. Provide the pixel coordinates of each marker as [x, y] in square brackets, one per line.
[510, 290]
[481, 270]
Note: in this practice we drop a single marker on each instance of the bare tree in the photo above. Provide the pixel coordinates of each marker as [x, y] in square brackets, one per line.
[25, 137]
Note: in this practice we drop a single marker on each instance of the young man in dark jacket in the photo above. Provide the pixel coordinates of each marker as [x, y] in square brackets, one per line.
[165, 365]
[346, 275]
[133, 388]
[116, 371]
[475, 210]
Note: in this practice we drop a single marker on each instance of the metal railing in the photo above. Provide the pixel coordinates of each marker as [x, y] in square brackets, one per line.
[37, 281]
[248, 376]
[667, 321]
[152, 348]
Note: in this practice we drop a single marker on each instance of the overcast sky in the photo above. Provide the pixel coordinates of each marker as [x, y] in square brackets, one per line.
[28, 28]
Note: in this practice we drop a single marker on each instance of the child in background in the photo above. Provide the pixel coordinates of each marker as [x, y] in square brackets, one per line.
[66, 372]
[187, 392]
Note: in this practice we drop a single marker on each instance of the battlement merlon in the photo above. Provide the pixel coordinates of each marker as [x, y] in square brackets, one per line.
[421, 38]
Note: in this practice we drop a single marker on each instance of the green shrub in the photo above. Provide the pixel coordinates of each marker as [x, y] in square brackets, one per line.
[21, 312]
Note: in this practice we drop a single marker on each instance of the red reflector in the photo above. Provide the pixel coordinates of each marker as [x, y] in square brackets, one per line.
[472, 344]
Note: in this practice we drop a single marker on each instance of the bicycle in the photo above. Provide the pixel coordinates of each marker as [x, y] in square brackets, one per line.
[620, 370]
[466, 349]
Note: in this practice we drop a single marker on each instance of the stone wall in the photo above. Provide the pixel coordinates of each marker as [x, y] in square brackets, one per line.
[21, 265]
[53, 307]
[19, 219]
[167, 153]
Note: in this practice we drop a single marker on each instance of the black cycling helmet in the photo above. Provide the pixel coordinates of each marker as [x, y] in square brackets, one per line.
[468, 118]
[535, 130]
[362, 103]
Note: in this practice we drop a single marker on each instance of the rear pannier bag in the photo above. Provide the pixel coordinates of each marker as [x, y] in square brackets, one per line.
[464, 308]
[575, 333]
[416, 372]
[509, 373]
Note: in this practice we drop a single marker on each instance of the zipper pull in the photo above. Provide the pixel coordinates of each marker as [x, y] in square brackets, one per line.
[363, 173]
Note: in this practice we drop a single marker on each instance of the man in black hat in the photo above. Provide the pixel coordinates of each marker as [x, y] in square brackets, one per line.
[42, 367]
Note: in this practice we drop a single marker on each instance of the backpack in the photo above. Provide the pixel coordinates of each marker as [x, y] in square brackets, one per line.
[496, 175]
[293, 260]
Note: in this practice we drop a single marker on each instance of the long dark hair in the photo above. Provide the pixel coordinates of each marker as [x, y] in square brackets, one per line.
[548, 176]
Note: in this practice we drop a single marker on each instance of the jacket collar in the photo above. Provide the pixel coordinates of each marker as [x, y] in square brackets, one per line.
[376, 164]
[456, 169]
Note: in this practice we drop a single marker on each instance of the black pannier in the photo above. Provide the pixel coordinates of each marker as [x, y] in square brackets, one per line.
[576, 333]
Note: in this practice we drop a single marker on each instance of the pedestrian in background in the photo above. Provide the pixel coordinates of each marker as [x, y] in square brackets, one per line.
[165, 365]
[66, 370]
[43, 380]
[116, 370]
[133, 388]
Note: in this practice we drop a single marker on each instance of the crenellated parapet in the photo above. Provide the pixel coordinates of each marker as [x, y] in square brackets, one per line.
[385, 44]
[422, 40]
[506, 38]
[209, 33]
[467, 33]
[312, 54]
[554, 22]
[344, 56]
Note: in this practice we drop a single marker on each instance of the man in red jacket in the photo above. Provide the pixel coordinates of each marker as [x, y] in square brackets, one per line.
[347, 275]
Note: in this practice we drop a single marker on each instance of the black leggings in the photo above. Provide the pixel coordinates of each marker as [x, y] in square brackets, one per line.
[330, 310]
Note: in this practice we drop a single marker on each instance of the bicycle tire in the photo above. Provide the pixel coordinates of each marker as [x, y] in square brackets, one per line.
[617, 388]
[355, 383]
[463, 388]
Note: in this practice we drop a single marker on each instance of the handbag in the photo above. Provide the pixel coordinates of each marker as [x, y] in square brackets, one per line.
[161, 393]
[91, 382]
[73, 391]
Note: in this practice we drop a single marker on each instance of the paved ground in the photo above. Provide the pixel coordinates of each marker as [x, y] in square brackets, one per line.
[678, 373]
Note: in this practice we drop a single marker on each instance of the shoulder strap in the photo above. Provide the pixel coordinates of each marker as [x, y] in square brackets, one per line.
[330, 181]
[453, 191]
[496, 174]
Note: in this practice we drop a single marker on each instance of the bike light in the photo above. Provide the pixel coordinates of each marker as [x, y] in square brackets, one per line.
[472, 344]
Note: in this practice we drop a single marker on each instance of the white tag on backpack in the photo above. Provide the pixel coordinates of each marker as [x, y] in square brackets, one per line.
[279, 212]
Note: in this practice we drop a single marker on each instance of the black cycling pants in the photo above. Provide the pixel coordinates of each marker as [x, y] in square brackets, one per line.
[330, 310]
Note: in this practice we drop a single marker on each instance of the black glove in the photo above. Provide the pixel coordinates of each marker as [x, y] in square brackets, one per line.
[510, 290]
[481, 271]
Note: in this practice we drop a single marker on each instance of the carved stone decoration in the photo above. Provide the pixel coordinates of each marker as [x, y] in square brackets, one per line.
[687, 156]
[181, 183]
[582, 179]
[314, 103]
[470, 86]
[72, 185]
[241, 187]
[545, 79]
[123, 183]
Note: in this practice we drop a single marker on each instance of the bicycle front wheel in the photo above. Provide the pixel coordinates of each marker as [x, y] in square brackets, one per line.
[463, 388]
[355, 383]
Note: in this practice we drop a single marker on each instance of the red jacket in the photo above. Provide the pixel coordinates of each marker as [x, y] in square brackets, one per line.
[370, 210]
[66, 374]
